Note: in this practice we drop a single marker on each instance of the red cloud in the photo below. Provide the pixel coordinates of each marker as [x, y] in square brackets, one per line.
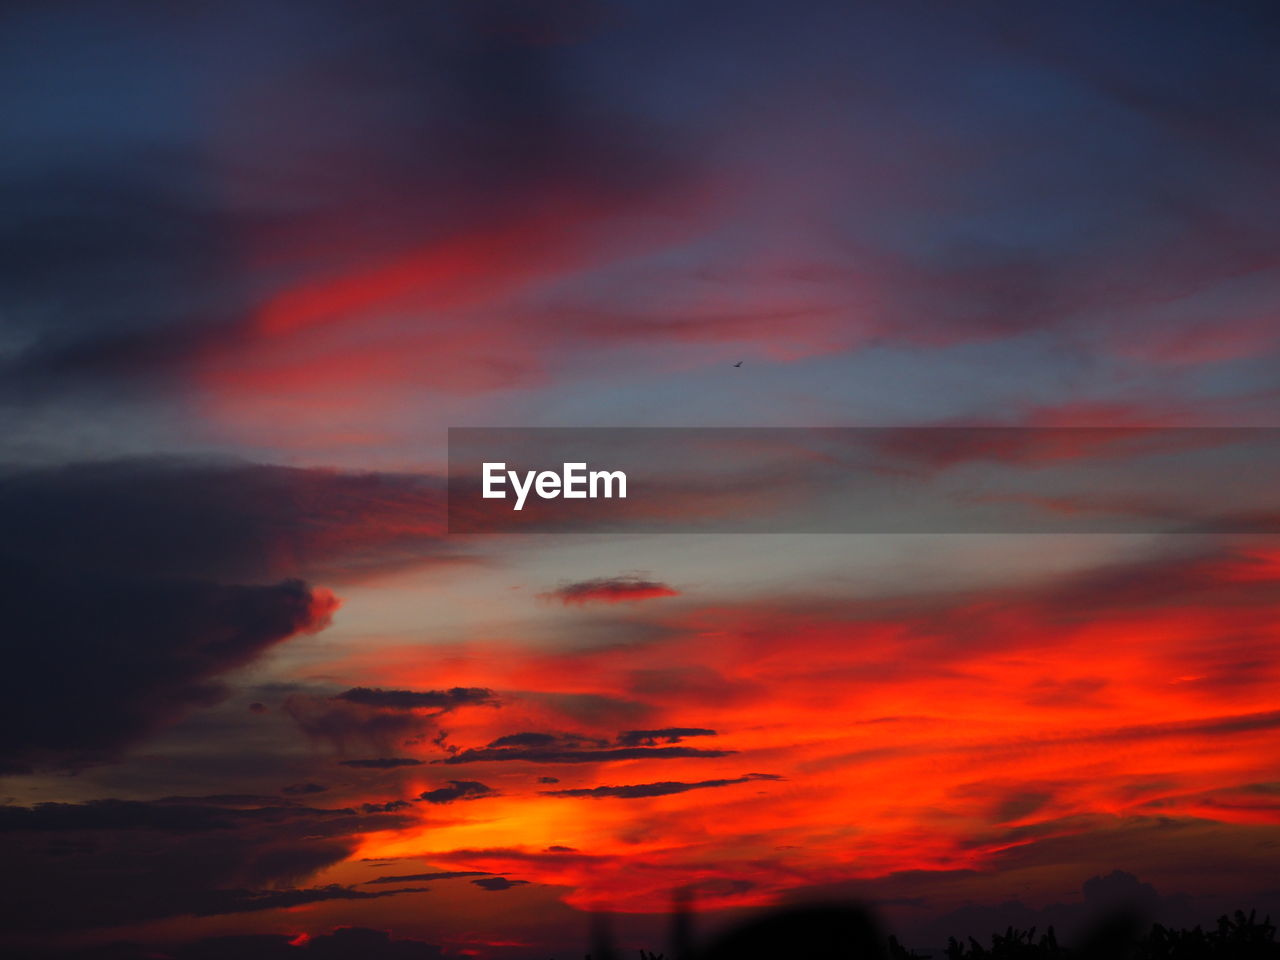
[1033, 716]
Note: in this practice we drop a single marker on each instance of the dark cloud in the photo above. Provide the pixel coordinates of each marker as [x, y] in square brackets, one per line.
[344, 943]
[219, 519]
[216, 902]
[457, 790]
[176, 814]
[96, 664]
[611, 590]
[230, 800]
[339, 723]
[662, 789]
[485, 754]
[650, 738]
[548, 779]
[426, 877]
[137, 584]
[124, 256]
[442, 700]
[389, 806]
[381, 719]
[299, 789]
[124, 862]
[495, 884]
[382, 763]
[567, 748]
[540, 740]
[144, 248]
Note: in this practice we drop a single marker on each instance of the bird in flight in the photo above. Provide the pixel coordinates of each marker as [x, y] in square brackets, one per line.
[738, 364]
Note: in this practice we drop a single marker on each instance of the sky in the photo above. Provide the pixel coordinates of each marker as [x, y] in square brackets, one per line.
[258, 258]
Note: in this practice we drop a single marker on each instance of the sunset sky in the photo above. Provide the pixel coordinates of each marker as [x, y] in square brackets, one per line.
[260, 256]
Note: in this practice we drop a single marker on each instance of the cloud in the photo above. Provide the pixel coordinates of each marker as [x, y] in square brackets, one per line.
[344, 942]
[623, 589]
[442, 700]
[662, 789]
[457, 790]
[224, 520]
[97, 664]
[124, 862]
[382, 763]
[568, 748]
[389, 806]
[541, 740]
[426, 877]
[219, 902]
[299, 789]
[338, 723]
[649, 738]
[382, 719]
[175, 814]
[486, 754]
[495, 884]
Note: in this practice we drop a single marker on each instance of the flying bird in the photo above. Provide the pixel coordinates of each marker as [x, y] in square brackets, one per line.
[738, 364]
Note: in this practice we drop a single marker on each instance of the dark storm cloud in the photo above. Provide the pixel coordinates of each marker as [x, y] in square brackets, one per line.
[382, 763]
[457, 790]
[123, 862]
[95, 664]
[664, 788]
[495, 884]
[417, 700]
[118, 581]
[568, 748]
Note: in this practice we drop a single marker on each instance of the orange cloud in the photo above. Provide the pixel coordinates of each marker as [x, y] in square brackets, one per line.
[926, 733]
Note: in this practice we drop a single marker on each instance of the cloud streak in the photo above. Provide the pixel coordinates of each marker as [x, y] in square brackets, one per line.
[640, 791]
[622, 589]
